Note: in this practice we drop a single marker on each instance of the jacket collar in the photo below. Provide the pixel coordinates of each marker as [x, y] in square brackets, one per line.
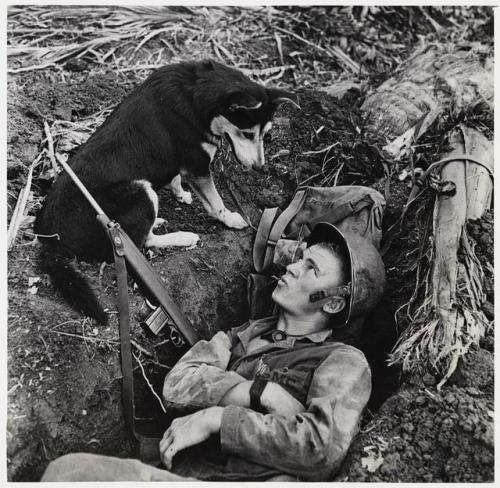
[258, 327]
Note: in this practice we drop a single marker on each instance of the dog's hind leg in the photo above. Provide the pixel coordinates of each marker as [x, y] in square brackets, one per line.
[175, 239]
[212, 202]
[135, 206]
[179, 193]
[158, 221]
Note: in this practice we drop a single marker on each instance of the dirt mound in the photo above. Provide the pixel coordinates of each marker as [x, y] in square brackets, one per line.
[422, 435]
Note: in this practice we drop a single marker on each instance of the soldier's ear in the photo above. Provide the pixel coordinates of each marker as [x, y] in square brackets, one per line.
[278, 96]
[334, 305]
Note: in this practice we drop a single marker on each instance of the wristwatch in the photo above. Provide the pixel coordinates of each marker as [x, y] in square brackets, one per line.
[258, 385]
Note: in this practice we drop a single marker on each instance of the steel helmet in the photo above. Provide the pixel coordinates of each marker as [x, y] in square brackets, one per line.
[366, 270]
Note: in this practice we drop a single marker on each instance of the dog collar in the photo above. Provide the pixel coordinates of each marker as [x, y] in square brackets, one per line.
[213, 139]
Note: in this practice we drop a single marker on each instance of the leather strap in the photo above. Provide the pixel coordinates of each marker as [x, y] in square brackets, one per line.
[336, 291]
[268, 232]
[258, 385]
[262, 237]
[416, 191]
[148, 446]
[125, 346]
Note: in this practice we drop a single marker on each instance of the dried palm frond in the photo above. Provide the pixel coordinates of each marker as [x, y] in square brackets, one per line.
[431, 343]
[103, 26]
[449, 318]
[56, 54]
[70, 135]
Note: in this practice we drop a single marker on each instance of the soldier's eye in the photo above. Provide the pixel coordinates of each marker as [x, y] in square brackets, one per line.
[297, 255]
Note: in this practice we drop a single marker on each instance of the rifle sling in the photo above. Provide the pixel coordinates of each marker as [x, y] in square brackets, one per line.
[148, 446]
[123, 311]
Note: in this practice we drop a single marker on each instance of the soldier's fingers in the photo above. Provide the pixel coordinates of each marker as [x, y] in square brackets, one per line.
[166, 442]
[168, 455]
[166, 433]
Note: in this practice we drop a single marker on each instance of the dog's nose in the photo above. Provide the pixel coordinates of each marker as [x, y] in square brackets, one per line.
[259, 164]
[259, 168]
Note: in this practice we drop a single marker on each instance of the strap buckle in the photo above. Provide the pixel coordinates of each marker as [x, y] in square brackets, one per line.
[116, 239]
[336, 291]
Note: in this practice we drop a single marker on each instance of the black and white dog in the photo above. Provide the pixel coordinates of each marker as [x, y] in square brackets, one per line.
[168, 127]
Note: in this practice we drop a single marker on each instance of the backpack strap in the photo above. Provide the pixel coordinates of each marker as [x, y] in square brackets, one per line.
[269, 215]
[271, 227]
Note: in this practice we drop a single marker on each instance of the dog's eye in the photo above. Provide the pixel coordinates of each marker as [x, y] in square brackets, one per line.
[248, 135]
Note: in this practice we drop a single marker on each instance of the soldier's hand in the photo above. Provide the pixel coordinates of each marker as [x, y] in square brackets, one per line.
[275, 399]
[188, 431]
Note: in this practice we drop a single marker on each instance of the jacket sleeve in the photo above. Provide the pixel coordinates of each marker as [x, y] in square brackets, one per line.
[199, 379]
[312, 444]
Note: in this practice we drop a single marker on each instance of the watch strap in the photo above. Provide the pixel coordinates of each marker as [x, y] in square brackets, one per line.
[258, 385]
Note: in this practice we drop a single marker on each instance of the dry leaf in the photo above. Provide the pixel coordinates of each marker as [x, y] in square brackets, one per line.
[32, 280]
[372, 462]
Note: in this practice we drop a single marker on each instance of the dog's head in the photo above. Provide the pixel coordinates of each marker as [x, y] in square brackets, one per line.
[239, 110]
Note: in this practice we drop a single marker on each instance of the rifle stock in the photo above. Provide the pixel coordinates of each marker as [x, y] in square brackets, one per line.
[156, 287]
[151, 281]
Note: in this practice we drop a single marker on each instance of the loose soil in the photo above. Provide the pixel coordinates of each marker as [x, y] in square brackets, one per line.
[423, 435]
[64, 373]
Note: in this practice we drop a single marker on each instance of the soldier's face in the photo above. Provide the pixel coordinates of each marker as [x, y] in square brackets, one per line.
[318, 269]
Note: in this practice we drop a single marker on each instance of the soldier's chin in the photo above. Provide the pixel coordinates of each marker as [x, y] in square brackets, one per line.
[277, 296]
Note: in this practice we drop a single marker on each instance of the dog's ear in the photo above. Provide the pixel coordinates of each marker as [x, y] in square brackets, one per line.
[242, 100]
[278, 97]
[208, 64]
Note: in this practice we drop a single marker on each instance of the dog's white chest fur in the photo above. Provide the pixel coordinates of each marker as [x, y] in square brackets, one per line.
[210, 149]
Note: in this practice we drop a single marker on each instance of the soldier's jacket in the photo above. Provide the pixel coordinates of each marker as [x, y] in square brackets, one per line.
[331, 379]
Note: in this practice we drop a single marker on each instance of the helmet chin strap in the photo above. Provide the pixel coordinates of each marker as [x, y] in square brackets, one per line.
[335, 291]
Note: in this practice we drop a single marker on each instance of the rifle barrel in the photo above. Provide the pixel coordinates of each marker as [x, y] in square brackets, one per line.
[79, 184]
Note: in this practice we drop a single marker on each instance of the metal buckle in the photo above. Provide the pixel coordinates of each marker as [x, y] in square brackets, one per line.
[274, 335]
[342, 290]
[116, 239]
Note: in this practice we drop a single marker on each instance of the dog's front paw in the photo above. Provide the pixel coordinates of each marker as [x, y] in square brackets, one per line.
[187, 239]
[234, 220]
[184, 197]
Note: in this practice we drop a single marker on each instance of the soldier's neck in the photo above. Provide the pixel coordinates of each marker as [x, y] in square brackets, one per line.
[301, 324]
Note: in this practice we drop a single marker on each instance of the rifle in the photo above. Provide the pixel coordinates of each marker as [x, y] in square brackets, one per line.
[124, 250]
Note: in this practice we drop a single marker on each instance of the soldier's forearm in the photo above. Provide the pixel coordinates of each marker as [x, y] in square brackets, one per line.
[238, 395]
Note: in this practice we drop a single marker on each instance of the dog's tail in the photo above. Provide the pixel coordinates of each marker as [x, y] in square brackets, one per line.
[56, 261]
